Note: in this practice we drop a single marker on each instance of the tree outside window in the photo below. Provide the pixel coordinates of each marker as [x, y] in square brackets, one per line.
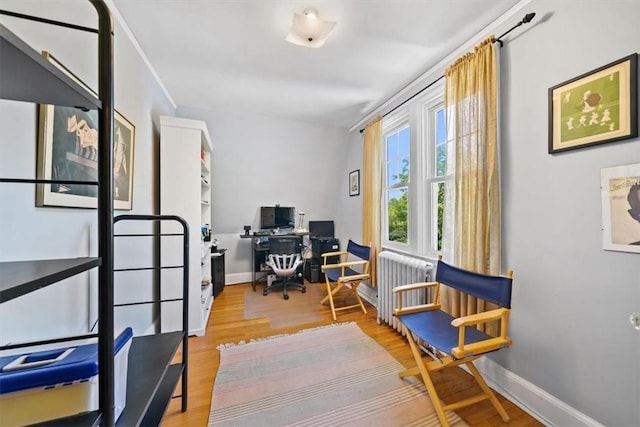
[397, 185]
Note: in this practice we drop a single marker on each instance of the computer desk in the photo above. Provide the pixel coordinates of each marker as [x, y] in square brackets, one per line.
[260, 250]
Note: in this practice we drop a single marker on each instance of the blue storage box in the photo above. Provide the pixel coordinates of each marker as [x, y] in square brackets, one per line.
[49, 384]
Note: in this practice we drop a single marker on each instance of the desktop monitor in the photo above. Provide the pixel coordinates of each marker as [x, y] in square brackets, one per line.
[321, 228]
[277, 217]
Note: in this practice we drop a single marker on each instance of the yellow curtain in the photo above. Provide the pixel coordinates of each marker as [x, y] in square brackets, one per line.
[372, 191]
[473, 234]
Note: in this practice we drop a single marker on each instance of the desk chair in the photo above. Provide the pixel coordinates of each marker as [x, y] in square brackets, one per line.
[453, 341]
[345, 275]
[284, 259]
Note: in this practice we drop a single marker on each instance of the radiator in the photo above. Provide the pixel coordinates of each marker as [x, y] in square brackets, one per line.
[394, 270]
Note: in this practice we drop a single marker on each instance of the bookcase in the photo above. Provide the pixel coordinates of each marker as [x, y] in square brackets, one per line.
[185, 190]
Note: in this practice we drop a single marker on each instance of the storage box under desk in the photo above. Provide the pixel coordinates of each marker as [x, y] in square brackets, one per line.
[49, 384]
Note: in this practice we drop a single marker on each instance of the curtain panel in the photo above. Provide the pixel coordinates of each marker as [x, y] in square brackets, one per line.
[372, 192]
[472, 221]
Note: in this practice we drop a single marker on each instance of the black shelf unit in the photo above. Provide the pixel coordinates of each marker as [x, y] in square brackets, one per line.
[21, 277]
[217, 272]
[153, 375]
[26, 76]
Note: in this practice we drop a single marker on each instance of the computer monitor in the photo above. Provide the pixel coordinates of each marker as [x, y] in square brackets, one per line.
[321, 229]
[277, 217]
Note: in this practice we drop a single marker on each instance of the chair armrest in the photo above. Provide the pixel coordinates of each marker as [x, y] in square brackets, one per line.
[341, 265]
[475, 319]
[398, 290]
[327, 254]
[416, 309]
[413, 286]
[484, 346]
[353, 278]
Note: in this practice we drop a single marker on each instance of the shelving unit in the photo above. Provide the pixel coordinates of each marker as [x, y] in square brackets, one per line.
[185, 190]
[155, 374]
[26, 76]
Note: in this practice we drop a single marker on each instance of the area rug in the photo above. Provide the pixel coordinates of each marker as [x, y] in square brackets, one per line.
[298, 309]
[329, 376]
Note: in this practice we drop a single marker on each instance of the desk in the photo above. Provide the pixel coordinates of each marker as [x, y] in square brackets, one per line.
[260, 252]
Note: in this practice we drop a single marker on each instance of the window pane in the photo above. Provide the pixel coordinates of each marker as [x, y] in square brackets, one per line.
[441, 143]
[397, 205]
[403, 143]
[398, 158]
[437, 215]
[392, 146]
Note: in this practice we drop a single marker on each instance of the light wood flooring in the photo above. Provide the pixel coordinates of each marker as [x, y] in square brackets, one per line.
[227, 324]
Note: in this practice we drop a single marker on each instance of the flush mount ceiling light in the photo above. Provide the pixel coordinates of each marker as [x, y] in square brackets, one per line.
[308, 29]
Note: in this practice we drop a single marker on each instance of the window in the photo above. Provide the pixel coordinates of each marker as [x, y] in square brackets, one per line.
[436, 179]
[396, 187]
[416, 154]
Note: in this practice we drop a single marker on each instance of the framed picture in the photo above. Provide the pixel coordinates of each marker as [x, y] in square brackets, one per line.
[68, 150]
[620, 188]
[597, 107]
[354, 182]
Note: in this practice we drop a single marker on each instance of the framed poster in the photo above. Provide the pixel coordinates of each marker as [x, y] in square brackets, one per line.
[620, 188]
[68, 150]
[354, 182]
[597, 107]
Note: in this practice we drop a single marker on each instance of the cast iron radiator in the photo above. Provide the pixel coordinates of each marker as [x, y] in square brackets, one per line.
[394, 270]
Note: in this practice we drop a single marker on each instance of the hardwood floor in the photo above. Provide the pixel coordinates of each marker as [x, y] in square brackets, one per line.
[227, 324]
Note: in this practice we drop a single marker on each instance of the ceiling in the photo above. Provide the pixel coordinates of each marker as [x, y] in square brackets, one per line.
[226, 54]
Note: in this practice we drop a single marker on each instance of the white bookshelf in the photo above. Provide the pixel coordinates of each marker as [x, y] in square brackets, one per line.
[185, 190]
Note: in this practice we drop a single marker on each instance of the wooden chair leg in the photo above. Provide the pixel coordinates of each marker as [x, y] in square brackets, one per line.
[426, 378]
[329, 297]
[487, 390]
[355, 290]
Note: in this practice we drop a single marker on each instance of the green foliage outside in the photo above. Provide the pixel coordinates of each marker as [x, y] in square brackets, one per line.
[398, 208]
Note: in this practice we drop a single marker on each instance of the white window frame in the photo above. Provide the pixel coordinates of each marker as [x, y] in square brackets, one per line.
[422, 209]
[391, 125]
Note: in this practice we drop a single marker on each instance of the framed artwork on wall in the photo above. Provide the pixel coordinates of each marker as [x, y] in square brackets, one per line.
[597, 107]
[354, 182]
[68, 151]
[620, 189]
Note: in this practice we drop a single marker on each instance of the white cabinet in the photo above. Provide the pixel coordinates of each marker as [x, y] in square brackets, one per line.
[185, 191]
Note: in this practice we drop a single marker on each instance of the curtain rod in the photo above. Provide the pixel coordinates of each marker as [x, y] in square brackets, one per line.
[527, 18]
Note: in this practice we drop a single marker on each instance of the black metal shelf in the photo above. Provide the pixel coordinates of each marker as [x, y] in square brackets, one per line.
[26, 76]
[21, 277]
[89, 419]
[151, 378]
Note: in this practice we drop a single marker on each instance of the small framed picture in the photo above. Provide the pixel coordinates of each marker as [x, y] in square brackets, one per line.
[620, 188]
[354, 182]
[598, 107]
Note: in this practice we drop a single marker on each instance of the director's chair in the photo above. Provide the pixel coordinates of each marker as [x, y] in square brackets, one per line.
[450, 341]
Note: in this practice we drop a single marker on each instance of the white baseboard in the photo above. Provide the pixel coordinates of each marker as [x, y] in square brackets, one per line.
[234, 278]
[369, 294]
[541, 405]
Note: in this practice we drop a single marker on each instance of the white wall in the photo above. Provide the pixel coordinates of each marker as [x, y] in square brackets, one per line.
[262, 161]
[28, 232]
[571, 299]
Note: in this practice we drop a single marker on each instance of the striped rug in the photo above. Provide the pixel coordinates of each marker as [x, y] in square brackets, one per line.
[328, 376]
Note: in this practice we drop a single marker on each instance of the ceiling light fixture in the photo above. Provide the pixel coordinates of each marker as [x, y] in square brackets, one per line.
[308, 29]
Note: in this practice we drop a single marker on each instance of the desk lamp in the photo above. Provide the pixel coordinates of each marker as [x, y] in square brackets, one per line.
[300, 228]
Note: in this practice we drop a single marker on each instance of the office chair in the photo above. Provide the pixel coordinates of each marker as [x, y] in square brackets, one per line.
[453, 341]
[284, 259]
[346, 274]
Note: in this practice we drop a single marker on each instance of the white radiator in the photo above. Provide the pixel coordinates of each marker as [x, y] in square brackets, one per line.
[395, 270]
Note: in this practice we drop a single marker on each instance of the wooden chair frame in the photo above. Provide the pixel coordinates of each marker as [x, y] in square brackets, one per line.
[347, 278]
[468, 348]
